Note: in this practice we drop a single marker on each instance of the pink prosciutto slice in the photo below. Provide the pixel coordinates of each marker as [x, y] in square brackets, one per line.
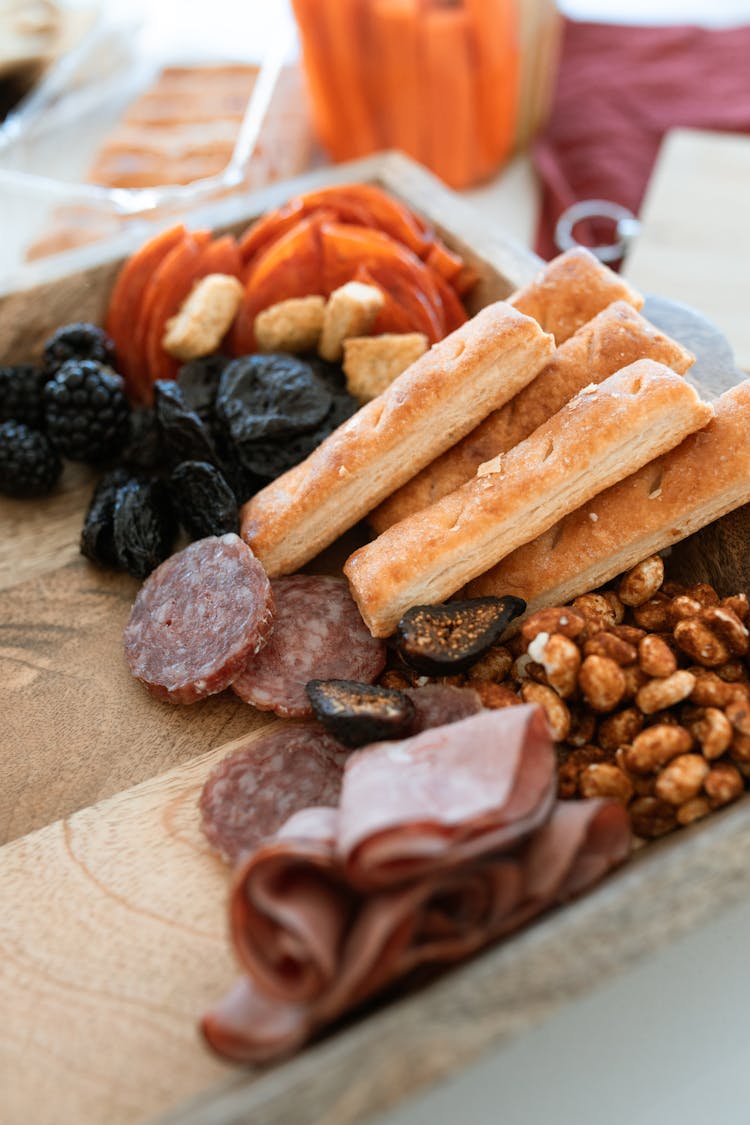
[444, 796]
[366, 941]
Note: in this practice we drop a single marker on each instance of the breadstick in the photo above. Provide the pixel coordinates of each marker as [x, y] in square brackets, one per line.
[615, 337]
[605, 433]
[569, 291]
[428, 408]
[702, 479]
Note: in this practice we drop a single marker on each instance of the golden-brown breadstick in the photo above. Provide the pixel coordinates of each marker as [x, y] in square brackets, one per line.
[428, 408]
[605, 433]
[569, 291]
[615, 337]
[702, 479]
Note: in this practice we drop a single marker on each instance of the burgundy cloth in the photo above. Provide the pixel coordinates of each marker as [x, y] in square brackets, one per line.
[619, 89]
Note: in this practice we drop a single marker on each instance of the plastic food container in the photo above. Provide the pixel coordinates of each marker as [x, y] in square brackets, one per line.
[159, 110]
[456, 84]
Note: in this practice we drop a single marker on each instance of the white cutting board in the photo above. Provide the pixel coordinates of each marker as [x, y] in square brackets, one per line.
[694, 243]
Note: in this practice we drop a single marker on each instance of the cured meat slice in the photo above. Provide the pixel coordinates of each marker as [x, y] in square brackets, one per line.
[579, 843]
[444, 796]
[318, 635]
[438, 704]
[315, 948]
[257, 788]
[248, 1026]
[198, 618]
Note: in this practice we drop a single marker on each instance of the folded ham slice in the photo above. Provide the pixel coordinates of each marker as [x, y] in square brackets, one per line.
[411, 808]
[353, 944]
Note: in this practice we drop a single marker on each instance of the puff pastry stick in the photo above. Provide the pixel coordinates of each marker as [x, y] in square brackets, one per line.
[615, 337]
[605, 433]
[428, 408]
[569, 291]
[702, 479]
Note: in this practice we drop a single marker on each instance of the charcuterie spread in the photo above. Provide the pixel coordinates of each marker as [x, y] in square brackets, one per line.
[504, 687]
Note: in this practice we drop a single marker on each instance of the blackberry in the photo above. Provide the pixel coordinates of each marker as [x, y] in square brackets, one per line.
[21, 387]
[29, 464]
[77, 341]
[86, 411]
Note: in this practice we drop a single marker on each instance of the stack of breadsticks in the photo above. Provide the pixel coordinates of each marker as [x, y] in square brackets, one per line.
[541, 449]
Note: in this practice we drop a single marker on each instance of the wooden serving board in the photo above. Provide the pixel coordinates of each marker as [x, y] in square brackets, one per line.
[78, 727]
[113, 927]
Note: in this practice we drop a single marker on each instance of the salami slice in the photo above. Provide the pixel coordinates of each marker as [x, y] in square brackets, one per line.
[256, 789]
[438, 704]
[318, 635]
[198, 618]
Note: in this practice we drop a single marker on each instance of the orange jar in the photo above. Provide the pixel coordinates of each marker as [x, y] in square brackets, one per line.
[456, 84]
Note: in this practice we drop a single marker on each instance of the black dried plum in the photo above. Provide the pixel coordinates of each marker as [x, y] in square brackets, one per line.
[269, 459]
[97, 534]
[78, 341]
[204, 502]
[185, 436]
[446, 639]
[199, 382]
[144, 526]
[261, 396]
[143, 450]
[357, 714]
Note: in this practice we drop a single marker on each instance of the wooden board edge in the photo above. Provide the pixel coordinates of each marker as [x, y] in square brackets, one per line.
[390, 1055]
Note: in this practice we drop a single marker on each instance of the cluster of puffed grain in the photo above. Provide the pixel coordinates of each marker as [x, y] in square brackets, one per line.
[647, 692]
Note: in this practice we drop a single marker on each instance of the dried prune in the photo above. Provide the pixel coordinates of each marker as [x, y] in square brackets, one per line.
[357, 714]
[97, 534]
[204, 502]
[144, 526]
[446, 639]
[143, 450]
[199, 382]
[269, 459]
[186, 437]
[261, 396]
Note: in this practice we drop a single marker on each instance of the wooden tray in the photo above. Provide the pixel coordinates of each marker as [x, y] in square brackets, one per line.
[113, 927]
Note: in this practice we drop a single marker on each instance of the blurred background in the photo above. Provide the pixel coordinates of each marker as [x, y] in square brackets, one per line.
[118, 114]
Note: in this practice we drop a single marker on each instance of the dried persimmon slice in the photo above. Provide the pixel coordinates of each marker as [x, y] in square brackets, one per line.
[127, 294]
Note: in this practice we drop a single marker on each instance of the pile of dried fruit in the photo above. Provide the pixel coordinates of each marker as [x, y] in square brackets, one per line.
[314, 244]
[646, 688]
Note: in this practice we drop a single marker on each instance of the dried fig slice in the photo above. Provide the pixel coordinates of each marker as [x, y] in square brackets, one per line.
[446, 639]
[357, 714]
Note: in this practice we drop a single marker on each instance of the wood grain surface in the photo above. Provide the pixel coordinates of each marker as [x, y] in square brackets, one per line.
[113, 939]
[77, 726]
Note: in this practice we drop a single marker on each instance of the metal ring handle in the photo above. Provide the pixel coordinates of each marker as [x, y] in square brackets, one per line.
[626, 227]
